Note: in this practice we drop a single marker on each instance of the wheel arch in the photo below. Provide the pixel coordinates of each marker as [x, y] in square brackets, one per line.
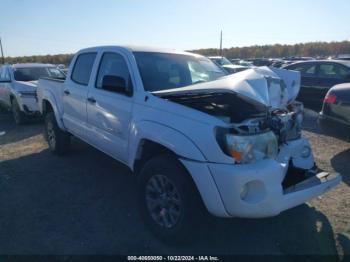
[149, 138]
[48, 106]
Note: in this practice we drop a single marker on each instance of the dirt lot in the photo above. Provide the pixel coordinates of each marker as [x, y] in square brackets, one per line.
[84, 203]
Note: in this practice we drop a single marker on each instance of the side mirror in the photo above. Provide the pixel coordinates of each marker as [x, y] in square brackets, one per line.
[115, 84]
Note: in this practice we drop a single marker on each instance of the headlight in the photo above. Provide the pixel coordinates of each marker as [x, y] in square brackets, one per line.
[251, 148]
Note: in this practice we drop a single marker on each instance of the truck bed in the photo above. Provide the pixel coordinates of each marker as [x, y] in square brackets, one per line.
[53, 88]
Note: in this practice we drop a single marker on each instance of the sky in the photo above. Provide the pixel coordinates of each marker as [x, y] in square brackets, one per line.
[38, 27]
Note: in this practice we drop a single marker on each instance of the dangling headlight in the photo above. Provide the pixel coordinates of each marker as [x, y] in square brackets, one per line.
[250, 148]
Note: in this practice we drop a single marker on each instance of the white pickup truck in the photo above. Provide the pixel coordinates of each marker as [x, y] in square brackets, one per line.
[195, 137]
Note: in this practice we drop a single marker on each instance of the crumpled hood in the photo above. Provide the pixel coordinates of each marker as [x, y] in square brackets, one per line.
[26, 86]
[272, 87]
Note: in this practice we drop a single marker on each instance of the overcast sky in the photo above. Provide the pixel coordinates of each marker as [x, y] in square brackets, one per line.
[30, 27]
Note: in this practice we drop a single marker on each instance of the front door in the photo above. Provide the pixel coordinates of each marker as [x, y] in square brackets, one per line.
[109, 112]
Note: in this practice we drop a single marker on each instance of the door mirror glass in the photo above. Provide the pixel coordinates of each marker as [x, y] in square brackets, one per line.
[114, 84]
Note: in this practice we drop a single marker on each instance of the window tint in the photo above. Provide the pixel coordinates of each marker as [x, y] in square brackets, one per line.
[115, 65]
[83, 67]
[4, 74]
[161, 71]
[34, 73]
[305, 69]
[332, 71]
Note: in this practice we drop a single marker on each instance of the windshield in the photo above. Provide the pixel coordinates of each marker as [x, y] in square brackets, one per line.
[221, 61]
[34, 73]
[161, 71]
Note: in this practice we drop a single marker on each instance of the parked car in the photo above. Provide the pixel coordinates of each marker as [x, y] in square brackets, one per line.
[260, 61]
[335, 115]
[317, 77]
[193, 136]
[342, 57]
[18, 88]
[224, 63]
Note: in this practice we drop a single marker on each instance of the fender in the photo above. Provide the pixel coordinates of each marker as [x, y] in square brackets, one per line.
[164, 135]
[48, 96]
[14, 95]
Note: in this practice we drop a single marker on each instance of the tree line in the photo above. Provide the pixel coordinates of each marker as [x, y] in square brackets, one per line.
[313, 49]
[47, 59]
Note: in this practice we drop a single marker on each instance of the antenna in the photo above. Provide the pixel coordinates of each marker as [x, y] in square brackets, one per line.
[221, 54]
[2, 52]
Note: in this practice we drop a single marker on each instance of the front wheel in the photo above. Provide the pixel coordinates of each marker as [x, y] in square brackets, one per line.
[57, 139]
[169, 201]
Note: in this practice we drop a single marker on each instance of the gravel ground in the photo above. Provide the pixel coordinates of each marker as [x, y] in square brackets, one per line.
[85, 203]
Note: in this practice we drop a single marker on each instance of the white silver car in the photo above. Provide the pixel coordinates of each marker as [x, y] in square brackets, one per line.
[18, 87]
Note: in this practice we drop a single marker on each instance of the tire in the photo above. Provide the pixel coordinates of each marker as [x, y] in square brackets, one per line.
[172, 212]
[57, 139]
[18, 115]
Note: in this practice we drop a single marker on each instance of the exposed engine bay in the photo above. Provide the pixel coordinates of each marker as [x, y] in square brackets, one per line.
[251, 102]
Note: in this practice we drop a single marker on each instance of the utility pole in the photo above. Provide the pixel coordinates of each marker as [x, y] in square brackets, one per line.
[2, 52]
[221, 54]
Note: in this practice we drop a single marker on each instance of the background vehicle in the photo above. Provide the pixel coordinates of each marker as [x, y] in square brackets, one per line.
[18, 87]
[227, 65]
[335, 115]
[317, 77]
[260, 61]
[193, 136]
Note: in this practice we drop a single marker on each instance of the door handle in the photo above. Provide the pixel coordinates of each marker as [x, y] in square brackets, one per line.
[66, 91]
[91, 100]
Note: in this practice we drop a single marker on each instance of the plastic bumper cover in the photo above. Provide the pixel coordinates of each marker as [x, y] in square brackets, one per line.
[256, 191]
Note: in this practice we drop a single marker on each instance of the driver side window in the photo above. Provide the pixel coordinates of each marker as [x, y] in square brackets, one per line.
[113, 64]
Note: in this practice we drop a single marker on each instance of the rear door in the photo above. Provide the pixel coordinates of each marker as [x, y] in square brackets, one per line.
[75, 94]
[329, 75]
[309, 82]
[109, 112]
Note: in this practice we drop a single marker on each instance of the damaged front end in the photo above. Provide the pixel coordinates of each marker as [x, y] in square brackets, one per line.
[250, 102]
[262, 119]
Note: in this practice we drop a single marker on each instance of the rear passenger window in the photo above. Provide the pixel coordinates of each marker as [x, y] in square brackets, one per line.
[306, 69]
[83, 67]
[332, 71]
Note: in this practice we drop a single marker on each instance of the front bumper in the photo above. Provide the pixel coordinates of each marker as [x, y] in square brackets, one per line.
[256, 190]
[29, 105]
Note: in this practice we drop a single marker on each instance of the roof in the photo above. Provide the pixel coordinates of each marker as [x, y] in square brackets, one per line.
[343, 62]
[140, 49]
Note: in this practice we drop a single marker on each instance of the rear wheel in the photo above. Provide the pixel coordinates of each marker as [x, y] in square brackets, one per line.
[169, 202]
[18, 115]
[57, 139]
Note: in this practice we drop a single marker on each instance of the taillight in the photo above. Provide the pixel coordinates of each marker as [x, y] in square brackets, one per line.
[330, 99]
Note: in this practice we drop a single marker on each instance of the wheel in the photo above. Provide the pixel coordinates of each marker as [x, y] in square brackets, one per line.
[57, 139]
[168, 199]
[18, 115]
